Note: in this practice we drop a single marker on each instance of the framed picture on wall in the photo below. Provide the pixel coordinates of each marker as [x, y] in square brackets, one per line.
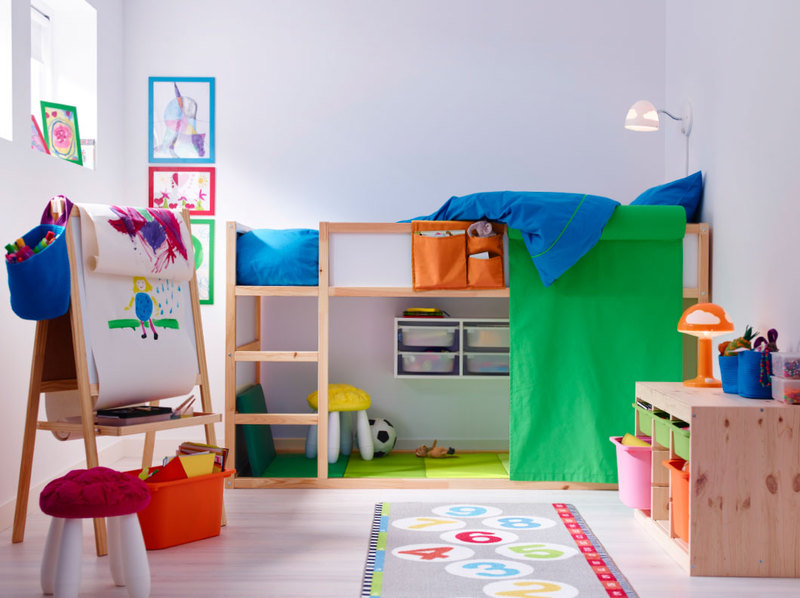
[61, 135]
[181, 119]
[179, 187]
[203, 243]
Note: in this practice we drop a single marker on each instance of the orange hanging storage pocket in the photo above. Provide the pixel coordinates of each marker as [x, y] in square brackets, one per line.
[439, 254]
[485, 269]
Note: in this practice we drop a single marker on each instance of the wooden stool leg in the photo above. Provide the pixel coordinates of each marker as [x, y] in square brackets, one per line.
[134, 556]
[68, 568]
[115, 551]
[365, 446]
[50, 558]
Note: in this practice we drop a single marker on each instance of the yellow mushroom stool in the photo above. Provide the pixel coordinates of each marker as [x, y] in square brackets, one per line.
[343, 399]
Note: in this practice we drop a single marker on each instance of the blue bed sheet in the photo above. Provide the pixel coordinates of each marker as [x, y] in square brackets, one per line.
[558, 228]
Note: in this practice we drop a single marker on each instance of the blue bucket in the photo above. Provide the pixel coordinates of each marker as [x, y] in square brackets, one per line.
[750, 375]
[40, 285]
[729, 372]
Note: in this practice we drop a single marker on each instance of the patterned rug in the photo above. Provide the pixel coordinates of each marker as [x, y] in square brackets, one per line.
[519, 550]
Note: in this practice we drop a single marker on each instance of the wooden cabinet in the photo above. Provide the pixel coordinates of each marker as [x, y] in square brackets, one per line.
[744, 483]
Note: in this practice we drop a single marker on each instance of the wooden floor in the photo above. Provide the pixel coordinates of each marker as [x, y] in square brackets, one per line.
[312, 543]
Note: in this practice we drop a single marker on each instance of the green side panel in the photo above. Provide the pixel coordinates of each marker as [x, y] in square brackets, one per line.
[579, 346]
[259, 447]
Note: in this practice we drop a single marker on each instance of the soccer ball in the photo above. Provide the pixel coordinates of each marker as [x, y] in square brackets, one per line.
[383, 436]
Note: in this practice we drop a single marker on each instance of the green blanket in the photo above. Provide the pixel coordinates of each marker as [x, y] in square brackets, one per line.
[578, 346]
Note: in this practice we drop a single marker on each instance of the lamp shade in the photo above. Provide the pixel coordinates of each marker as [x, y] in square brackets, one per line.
[642, 116]
[705, 320]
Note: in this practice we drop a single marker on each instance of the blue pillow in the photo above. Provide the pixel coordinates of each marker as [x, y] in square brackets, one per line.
[287, 257]
[685, 192]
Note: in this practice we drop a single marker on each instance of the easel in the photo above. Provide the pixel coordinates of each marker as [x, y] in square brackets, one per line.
[60, 363]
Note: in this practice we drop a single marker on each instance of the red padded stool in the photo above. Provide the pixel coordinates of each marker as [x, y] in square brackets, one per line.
[94, 493]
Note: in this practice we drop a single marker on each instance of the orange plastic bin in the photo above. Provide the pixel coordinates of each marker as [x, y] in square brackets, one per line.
[182, 511]
[679, 495]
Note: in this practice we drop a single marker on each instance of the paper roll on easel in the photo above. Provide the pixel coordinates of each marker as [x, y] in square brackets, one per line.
[63, 406]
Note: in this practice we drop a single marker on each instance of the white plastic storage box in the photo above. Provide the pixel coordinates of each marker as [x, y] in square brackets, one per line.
[786, 365]
[786, 390]
[427, 363]
[486, 337]
[427, 336]
[486, 363]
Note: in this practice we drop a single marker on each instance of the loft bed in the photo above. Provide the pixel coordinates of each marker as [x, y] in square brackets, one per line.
[346, 270]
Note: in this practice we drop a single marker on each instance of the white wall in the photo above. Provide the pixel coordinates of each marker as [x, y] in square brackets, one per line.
[738, 63]
[377, 110]
[29, 180]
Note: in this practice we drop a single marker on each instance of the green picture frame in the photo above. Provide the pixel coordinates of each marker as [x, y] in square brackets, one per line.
[203, 244]
[62, 136]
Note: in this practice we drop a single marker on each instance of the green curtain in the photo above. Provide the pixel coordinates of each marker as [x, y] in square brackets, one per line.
[578, 346]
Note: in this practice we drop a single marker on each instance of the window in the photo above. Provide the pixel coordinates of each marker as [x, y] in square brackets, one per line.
[64, 73]
[6, 117]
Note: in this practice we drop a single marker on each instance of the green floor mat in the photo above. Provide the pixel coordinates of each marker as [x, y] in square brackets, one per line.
[393, 465]
[466, 465]
[504, 459]
[298, 466]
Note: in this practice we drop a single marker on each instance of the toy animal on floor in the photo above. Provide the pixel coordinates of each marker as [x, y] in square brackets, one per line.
[435, 452]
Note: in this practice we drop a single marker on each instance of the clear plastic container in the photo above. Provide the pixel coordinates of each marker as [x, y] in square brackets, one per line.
[427, 336]
[427, 363]
[486, 337]
[486, 363]
[786, 390]
[786, 365]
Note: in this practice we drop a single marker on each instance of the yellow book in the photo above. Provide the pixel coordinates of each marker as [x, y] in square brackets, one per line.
[197, 464]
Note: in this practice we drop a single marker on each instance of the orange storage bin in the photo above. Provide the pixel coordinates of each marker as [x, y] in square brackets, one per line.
[679, 496]
[182, 511]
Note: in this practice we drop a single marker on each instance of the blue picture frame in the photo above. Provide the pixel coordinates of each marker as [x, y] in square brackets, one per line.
[181, 120]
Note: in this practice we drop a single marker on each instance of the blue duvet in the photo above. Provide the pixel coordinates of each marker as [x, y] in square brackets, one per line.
[558, 228]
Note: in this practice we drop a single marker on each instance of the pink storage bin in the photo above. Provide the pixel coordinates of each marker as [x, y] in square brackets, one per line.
[634, 471]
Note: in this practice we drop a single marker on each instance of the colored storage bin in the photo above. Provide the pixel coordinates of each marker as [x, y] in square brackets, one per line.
[427, 336]
[662, 428]
[182, 511]
[786, 365]
[679, 497]
[486, 337]
[754, 375]
[645, 419]
[427, 363]
[40, 285]
[729, 373]
[680, 439]
[633, 471]
[786, 390]
[486, 363]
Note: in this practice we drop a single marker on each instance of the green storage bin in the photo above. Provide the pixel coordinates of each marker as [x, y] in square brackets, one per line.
[645, 420]
[662, 428]
[680, 440]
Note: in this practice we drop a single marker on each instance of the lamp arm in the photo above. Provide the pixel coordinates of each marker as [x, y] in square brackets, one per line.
[672, 116]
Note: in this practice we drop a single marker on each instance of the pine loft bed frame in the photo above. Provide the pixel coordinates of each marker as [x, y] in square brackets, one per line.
[339, 239]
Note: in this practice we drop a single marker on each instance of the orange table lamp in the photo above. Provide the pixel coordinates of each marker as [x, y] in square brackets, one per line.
[705, 321]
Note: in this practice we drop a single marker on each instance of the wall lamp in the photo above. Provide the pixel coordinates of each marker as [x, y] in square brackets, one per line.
[643, 116]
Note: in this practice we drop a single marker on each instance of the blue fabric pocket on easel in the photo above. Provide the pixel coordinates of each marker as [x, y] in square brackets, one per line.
[40, 285]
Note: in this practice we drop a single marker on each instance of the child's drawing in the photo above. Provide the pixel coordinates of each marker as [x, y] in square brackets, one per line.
[181, 119]
[144, 304]
[176, 188]
[155, 233]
